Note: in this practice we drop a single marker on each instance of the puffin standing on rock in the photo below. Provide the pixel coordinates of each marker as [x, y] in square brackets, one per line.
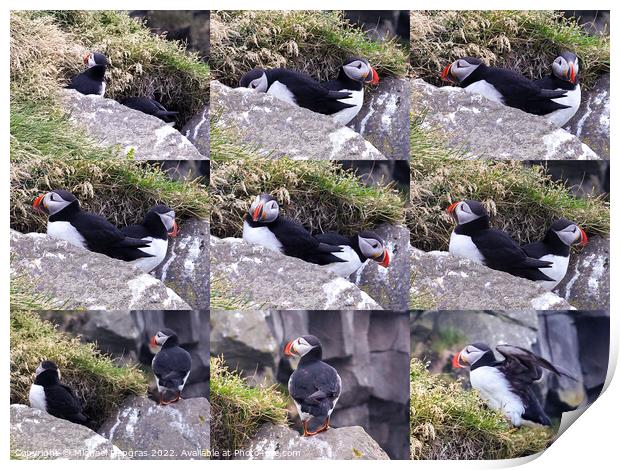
[314, 386]
[87, 230]
[356, 250]
[503, 86]
[171, 365]
[507, 385]
[474, 238]
[158, 224]
[92, 80]
[555, 248]
[49, 395]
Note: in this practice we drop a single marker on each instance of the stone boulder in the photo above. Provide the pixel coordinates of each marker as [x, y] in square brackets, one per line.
[445, 282]
[110, 123]
[146, 430]
[283, 443]
[36, 435]
[76, 278]
[197, 131]
[278, 129]
[482, 128]
[384, 118]
[186, 266]
[271, 280]
[591, 122]
[586, 284]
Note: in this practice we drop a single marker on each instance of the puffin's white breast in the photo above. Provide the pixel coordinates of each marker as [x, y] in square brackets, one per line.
[557, 271]
[281, 91]
[573, 100]
[350, 264]
[495, 390]
[65, 231]
[463, 246]
[484, 88]
[37, 397]
[157, 248]
[346, 115]
[261, 236]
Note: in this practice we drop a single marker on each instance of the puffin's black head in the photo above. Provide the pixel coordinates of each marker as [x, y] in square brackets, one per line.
[372, 246]
[569, 232]
[360, 70]
[303, 345]
[162, 215]
[47, 373]
[264, 209]
[164, 338]
[467, 211]
[470, 354]
[95, 58]
[55, 201]
[255, 79]
[460, 69]
[566, 67]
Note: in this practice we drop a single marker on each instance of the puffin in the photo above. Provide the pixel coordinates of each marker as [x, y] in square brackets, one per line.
[356, 250]
[564, 76]
[83, 229]
[159, 223]
[352, 76]
[171, 365]
[150, 106]
[92, 80]
[314, 386]
[49, 395]
[297, 88]
[474, 238]
[503, 86]
[555, 247]
[264, 226]
[507, 385]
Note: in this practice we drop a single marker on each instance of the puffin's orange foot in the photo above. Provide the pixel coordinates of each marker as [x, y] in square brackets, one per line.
[174, 400]
[324, 428]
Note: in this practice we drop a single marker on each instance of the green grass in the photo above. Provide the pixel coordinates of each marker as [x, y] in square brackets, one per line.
[527, 41]
[521, 200]
[221, 297]
[315, 42]
[238, 410]
[97, 380]
[448, 422]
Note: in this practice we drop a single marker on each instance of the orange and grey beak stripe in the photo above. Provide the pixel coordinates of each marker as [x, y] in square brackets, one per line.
[571, 73]
[86, 57]
[175, 230]
[257, 212]
[385, 262]
[445, 73]
[38, 201]
[374, 77]
[456, 361]
[584, 238]
[288, 349]
[452, 207]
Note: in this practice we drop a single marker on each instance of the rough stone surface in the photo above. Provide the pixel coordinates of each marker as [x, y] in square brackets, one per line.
[384, 118]
[186, 266]
[447, 282]
[388, 286]
[178, 431]
[282, 443]
[270, 280]
[277, 129]
[111, 123]
[37, 435]
[586, 284]
[591, 123]
[89, 280]
[484, 129]
[197, 131]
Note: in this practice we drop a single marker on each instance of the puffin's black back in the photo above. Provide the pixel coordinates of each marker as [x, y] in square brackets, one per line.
[149, 106]
[151, 226]
[89, 81]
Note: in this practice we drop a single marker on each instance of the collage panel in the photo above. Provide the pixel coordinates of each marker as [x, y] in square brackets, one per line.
[110, 385]
[309, 385]
[502, 384]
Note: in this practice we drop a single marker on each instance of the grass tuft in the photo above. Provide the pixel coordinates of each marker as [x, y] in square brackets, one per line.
[448, 422]
[526, 40]
[315, 42]
[238, 410]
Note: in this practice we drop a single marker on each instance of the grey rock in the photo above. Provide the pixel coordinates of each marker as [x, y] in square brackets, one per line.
[282, 443]
[586, 284]
[384, 118]
[197, 131]
[277, 129]
[591, 122]
[90, 281]
[269, 280]
[118, 332]
[388, 286]
[37, 435]
[149, 431]
[480, 128]
[445, 282]
[110, 123]
[186, 266]
[389, 383]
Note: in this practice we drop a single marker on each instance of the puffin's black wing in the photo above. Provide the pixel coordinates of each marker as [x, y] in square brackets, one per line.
[171, 366]
[298, 242]
[62, 403]
[332, 238]
[135, 231]
[525, 365]
[149, 106]
[89, 81]
[535, 250]
[533, 409]
[315, 388]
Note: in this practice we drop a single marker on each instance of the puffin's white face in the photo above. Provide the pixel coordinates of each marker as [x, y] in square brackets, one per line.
[459, 70]
[468, 356]
[168, 219]
[462, 213]
[566, 68]
[90, 59]
[374, 248]
[357, 70]
[259, 84]
[160, 338]
[54, 203]
[298, 347]
[263, 210]
[572, 235]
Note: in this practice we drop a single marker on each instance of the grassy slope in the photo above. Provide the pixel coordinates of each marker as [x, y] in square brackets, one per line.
[527, 41]
[237, 410]
[448, 422]
[521, 200]
[315, 42]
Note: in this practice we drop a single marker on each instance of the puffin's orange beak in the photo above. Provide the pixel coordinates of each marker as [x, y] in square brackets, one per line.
[257, 212]
[584, 238]
[374, 77]
[445, 74]
[571, 73]
[175, 230]
[38, 201]
[456, 362]
[385, 262]
[288, 349]
[152, 343]
[452, 207]
[86, 57]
